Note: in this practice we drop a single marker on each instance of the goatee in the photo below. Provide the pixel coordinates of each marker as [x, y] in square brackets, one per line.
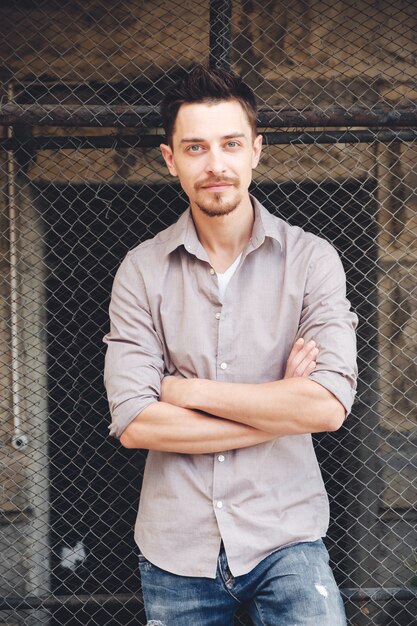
[218, 206]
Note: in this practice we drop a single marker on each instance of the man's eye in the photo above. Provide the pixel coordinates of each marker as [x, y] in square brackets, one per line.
[232, 144]
[193, 148]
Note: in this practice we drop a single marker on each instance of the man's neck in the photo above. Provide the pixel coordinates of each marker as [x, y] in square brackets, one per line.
[224, 237]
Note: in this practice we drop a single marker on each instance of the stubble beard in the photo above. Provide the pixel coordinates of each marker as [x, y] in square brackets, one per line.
[217, 205]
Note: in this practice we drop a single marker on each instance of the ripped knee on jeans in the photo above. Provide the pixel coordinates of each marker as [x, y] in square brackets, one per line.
[154, 622]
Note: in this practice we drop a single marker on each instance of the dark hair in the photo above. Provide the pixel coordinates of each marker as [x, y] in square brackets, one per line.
[204, 84]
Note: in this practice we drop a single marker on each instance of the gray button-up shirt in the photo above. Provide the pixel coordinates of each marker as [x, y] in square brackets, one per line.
[166, 317]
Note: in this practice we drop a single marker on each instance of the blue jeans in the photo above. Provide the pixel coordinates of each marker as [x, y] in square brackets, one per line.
[294, 586]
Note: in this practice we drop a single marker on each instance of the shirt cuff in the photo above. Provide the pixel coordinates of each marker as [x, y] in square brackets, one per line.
[340, 385]
[126, 413]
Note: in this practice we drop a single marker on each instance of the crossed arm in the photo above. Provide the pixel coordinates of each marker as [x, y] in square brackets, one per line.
[198, 416]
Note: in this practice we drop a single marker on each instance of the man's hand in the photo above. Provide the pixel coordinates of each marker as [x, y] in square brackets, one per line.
[301, 361]
[300, 364]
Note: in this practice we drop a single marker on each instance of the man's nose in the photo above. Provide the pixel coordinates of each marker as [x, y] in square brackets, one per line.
[215, 162]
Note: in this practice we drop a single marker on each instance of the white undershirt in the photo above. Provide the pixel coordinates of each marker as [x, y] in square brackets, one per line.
[224, 279]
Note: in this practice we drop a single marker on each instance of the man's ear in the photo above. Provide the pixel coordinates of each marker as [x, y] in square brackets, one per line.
[257, 147]
[168, 158]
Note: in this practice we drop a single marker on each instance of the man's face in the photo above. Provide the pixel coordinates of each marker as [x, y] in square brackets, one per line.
[213, 153]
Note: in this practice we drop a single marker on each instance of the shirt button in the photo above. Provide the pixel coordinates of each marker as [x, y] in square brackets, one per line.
[223, 366]
[212, 272]
[220, 458]
[217, 315]
[219, 504]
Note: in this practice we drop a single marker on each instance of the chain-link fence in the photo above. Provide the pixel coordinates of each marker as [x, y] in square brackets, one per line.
[82, 182]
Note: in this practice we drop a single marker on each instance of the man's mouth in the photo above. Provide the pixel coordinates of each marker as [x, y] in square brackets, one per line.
[216, 186]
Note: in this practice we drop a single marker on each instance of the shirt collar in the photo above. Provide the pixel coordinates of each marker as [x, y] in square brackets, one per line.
[265, 225]
[183, 232]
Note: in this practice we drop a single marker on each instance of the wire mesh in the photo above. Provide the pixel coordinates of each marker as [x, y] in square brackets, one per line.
[83, 182]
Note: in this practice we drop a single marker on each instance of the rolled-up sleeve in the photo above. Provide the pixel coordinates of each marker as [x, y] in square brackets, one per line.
[327, 318]
[134, 358]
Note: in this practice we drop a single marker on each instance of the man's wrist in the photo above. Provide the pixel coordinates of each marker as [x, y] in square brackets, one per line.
[193, 396]
[199, 392]
[181, 392]
[189, 393]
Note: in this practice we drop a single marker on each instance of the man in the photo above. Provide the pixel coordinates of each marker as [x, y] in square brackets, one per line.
[248, 316]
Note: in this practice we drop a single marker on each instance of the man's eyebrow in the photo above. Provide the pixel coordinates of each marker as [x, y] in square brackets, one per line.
[192, 140]
[201, 140]
[234, 136]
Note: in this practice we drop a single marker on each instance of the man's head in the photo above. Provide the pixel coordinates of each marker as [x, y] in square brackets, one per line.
[210, 124]
[208, 86]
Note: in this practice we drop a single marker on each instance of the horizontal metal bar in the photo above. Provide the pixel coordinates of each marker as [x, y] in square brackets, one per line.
[24, 603]
[353, 594]
[310, 117]
[79, 115]
[379, 594]
[148, 116]
[83, 142]
[152, 141]
[340, 136]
